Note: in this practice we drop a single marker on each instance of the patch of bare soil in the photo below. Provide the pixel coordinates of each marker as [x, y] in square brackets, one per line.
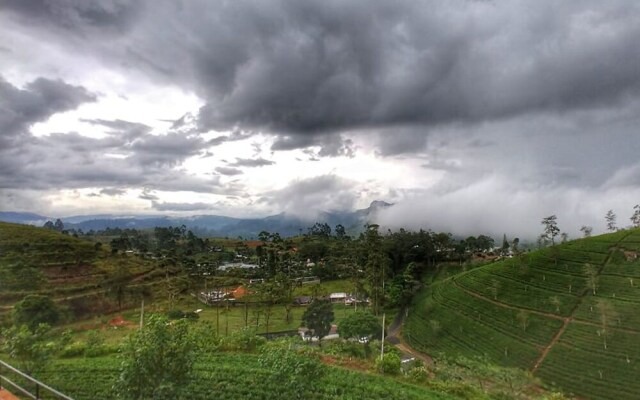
[118, 321]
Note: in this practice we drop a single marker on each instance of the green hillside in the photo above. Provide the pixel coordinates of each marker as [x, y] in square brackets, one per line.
[42, 247]
[70, 270]
[539, 312]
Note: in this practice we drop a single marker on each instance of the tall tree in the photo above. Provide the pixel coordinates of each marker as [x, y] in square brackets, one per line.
[318, 317]
[586, 230]
[484, 243]
[360, 325]
[376, 265]
[607, 314]
[610, 217]
[635, 217]
[505, 245]
[551, 229]
[340, 231]
[523, 318]
[117, 283]
[514, 246]
[592, 276]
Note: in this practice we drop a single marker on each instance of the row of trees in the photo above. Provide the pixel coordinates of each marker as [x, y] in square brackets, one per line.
[551, 229]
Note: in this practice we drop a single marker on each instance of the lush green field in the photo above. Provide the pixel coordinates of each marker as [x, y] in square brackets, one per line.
[232, 376]
[538, 312]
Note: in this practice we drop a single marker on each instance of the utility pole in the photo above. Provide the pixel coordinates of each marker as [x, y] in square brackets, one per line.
[382, 340]
[142, 313]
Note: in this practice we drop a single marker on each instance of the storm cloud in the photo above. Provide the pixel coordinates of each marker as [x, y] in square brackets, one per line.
[251, 162]
[307, 68]
[36, 102]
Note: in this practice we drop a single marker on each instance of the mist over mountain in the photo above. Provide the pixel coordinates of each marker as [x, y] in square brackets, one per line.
[211, 225]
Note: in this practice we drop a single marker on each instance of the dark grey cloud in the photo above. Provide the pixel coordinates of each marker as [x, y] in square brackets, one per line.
[36, 102]
[303, 68]
[129, 130]
[251, 162]
[229, 171]
[71, 160]
[77, 16]
[331, 145]
[232, 137]
[166, 150]
[147, 194]
[113, 191]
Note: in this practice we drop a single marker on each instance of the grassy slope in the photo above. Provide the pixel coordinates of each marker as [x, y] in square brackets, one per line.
[233, 376]
[538, 312]
[68, 269]
[41, 247]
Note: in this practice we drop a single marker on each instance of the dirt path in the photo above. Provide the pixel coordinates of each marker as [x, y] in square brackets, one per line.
[505, 305]
[548, 347]
[542, 313]
[5, 395]
[394, 336]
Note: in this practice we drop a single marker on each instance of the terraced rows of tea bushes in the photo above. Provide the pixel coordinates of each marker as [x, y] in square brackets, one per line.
[486, 310]
[232, 376]
[578, 371]
[471, 331]
[515, 293]
[581, 364]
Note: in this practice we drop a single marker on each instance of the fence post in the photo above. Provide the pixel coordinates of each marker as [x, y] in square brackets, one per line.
[37, 391]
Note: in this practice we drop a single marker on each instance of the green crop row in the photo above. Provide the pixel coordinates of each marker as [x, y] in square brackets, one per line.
[619, 344]
[625, 312]
[516, 293]
[460, 335]
[522, 325]
[549, 280]
[591, 375]
[619, 287]
[588, 245]
[625, 268]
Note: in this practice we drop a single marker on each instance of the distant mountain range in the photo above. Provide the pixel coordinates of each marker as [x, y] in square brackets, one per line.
[210, 225]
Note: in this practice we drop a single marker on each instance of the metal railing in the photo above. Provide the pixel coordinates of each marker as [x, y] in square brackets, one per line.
[38, 390]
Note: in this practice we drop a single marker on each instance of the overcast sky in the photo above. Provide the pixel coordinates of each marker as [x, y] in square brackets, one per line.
[470, 116]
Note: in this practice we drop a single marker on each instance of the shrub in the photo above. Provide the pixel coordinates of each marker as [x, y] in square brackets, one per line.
[418, 374]
[297, 372]
[242, 340]
[389, 364]
[175, 314]
[34, 310]
[75, 349]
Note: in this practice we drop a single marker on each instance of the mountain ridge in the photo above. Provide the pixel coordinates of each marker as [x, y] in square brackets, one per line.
[210, 224]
